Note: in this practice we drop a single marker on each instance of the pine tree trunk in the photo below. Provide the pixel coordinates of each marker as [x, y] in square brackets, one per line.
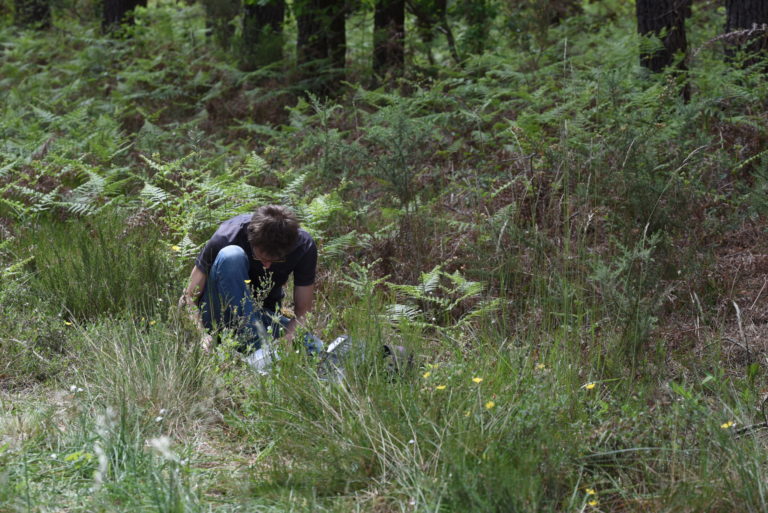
[560, 10]
[218, 20]
[263, 33]
[664, 19]
[337, 39]
[750, 16]
[117, 12]
[311, 43]
[321, 42]
[33, 13]
[389, 37]
[476, 12]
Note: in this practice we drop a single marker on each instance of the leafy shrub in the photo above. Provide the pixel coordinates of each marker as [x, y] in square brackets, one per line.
[630, 290]
[398, 151]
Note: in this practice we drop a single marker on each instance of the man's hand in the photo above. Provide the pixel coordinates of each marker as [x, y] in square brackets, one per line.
[303, 298]
[188, 302]
[206, 342]
[290, 330]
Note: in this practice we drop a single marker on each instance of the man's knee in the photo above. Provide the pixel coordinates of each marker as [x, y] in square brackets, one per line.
[231, 257]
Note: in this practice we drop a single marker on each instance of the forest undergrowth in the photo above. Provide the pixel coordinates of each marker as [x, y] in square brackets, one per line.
[574, 257]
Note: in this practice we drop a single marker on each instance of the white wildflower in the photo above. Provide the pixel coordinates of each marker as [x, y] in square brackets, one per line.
[162, 445]
[100, 473]
[105, 423]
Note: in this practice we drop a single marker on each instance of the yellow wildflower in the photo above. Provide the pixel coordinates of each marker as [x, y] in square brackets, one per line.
[426, 375]
[727, 425]
[67, 323]
[594, 502]
[590, 385]
[590, 491]
[477, 380]
[540, 366]
[175, 248]
[489, 405]
[152, 323]
[247, 281]
[440, 387]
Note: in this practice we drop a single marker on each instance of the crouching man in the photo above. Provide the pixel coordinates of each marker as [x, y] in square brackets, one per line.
[238, 278]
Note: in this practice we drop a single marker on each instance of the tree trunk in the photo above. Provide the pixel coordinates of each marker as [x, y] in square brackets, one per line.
[432, 16]
[749, 20]
[478, 14]
[218, 20]
[117, 12]
[560, 10]
[337, 39]
[321, 42]
[33, 13]
[389, 37]
[664, 19]
[263, 33]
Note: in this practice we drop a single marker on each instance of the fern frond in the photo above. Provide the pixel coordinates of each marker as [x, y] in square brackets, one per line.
[14, 208]
[153, 195]
[340, 246]
[398, 312]
[292, 191]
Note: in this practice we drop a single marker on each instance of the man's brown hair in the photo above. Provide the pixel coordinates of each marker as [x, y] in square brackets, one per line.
[274, 230]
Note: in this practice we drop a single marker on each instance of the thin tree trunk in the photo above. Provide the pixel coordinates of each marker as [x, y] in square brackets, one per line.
[389, 37]
[263, 33]
[432, 16]
[321, 42]
[33, 13]
[311, 41]
[446, 28]
[117, 12]
[749, 20]
[218, 20]
[560, 10]
[476, 13]
[664, 19]
[337, 39]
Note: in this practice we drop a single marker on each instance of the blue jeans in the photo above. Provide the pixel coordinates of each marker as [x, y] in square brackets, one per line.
[227, 302]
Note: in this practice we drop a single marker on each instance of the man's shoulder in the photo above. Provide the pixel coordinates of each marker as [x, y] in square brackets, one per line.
[305, 242]
[240, 220]
[234, 225]
[305, 236]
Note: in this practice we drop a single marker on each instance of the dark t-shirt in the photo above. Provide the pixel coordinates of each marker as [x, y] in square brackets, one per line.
[301, 261]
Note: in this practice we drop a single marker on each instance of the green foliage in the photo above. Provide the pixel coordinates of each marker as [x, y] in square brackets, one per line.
[441, 298]
[398, 148]
[631, 294]
[100, 265]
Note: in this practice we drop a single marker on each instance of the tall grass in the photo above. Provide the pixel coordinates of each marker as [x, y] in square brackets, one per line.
[101, 265]
[156, 367]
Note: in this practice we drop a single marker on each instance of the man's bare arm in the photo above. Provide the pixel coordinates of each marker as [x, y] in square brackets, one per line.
[188, 301]
[303, 299]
